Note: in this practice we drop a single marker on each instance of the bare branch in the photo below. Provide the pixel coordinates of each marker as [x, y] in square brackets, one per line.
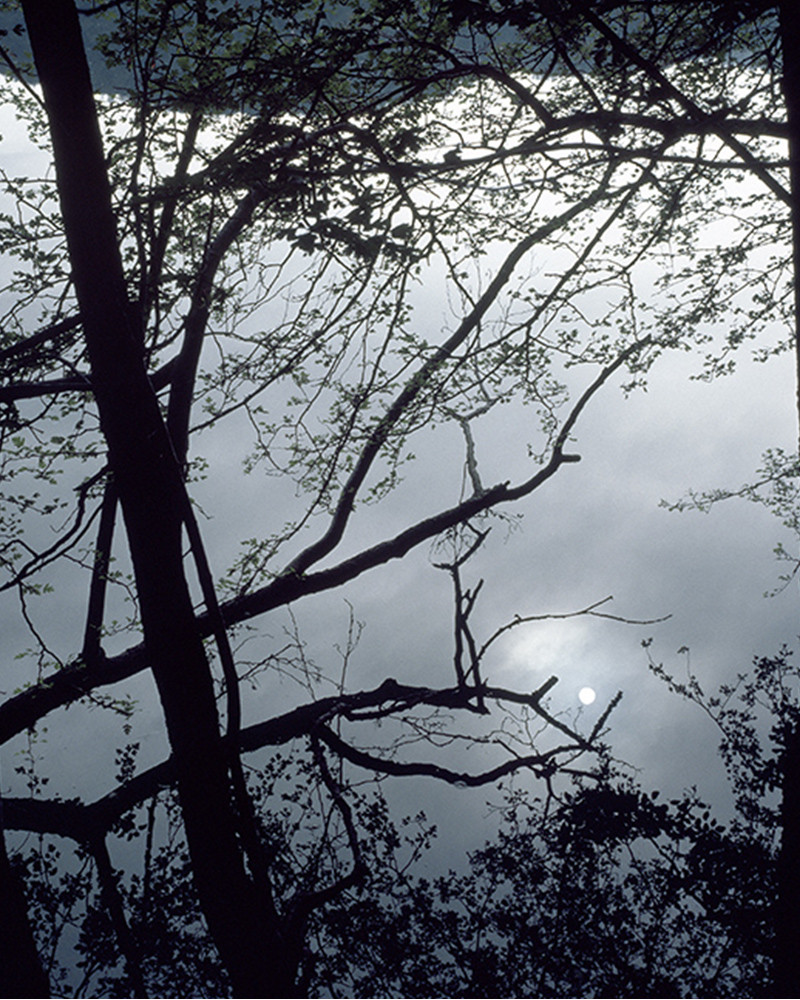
[318, 550]
[76, 679]
[590, 610]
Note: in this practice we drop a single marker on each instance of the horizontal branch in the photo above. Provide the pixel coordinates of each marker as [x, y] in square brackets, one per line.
[73, 383]
[84, 822]
[542, 764]
[45, 387]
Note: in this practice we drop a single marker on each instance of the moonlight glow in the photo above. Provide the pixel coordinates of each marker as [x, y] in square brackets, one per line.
[586, 695]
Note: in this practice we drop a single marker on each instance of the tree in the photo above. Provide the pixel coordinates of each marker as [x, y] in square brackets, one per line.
[323, 159]
[124, 299]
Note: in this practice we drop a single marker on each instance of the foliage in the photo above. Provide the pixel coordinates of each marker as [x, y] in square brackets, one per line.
[601, 890]
[610, 894]
[233, 268]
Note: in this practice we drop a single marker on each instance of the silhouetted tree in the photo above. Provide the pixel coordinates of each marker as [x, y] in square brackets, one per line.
[316, 160]
[602, 889]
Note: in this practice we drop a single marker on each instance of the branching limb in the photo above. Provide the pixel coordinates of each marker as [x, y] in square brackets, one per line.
[382, 429]
[542, 764]
[80, 525]
[464, 603]
[302, 906]
[81, 822]
[184, 369]
[590, 610]
[713, 122]
[293, 583]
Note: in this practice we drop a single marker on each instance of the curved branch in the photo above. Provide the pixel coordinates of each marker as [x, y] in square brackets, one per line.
[541, 764]
[292, 584]
[83, 822]
[64, 542]
[304, 903]
[185, 365]
[74, 681]
[344, 508]
[613, 119]
[590, 611]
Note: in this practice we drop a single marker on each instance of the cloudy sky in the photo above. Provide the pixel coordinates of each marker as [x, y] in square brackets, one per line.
[596, 529]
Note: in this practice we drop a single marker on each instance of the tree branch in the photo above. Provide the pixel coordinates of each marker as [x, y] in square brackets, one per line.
[541, 764]
[82, 822]
[184, 368]
[711, 122]
[377, 438]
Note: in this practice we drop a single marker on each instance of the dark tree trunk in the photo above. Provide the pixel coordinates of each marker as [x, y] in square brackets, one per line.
[151, 493]
[786, 969]
[21, 973]
[790, 40]
[786, 965]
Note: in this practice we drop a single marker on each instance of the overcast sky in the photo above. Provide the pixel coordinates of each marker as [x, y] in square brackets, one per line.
[594, 530]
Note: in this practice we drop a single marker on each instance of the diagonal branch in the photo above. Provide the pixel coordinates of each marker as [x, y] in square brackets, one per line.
[293, 583]
[383, 428]
[702, 118]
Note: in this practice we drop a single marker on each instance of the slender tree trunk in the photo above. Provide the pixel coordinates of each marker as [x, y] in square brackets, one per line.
[21, 973]
[790, 40]
[147, 477]
[786, 969]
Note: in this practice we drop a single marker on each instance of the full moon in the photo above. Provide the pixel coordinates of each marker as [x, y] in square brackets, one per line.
[586, 695]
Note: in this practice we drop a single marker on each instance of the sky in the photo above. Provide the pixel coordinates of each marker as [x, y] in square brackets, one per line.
[596, 529]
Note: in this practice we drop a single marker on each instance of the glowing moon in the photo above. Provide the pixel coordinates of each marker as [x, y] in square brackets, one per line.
[586, 695]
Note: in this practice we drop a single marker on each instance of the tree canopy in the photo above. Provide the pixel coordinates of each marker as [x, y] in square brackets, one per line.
[226, 255]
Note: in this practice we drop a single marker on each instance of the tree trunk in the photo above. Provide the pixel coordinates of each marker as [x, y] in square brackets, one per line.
[21, 973]
[786, 964]
[786, 968]
[147, 477]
